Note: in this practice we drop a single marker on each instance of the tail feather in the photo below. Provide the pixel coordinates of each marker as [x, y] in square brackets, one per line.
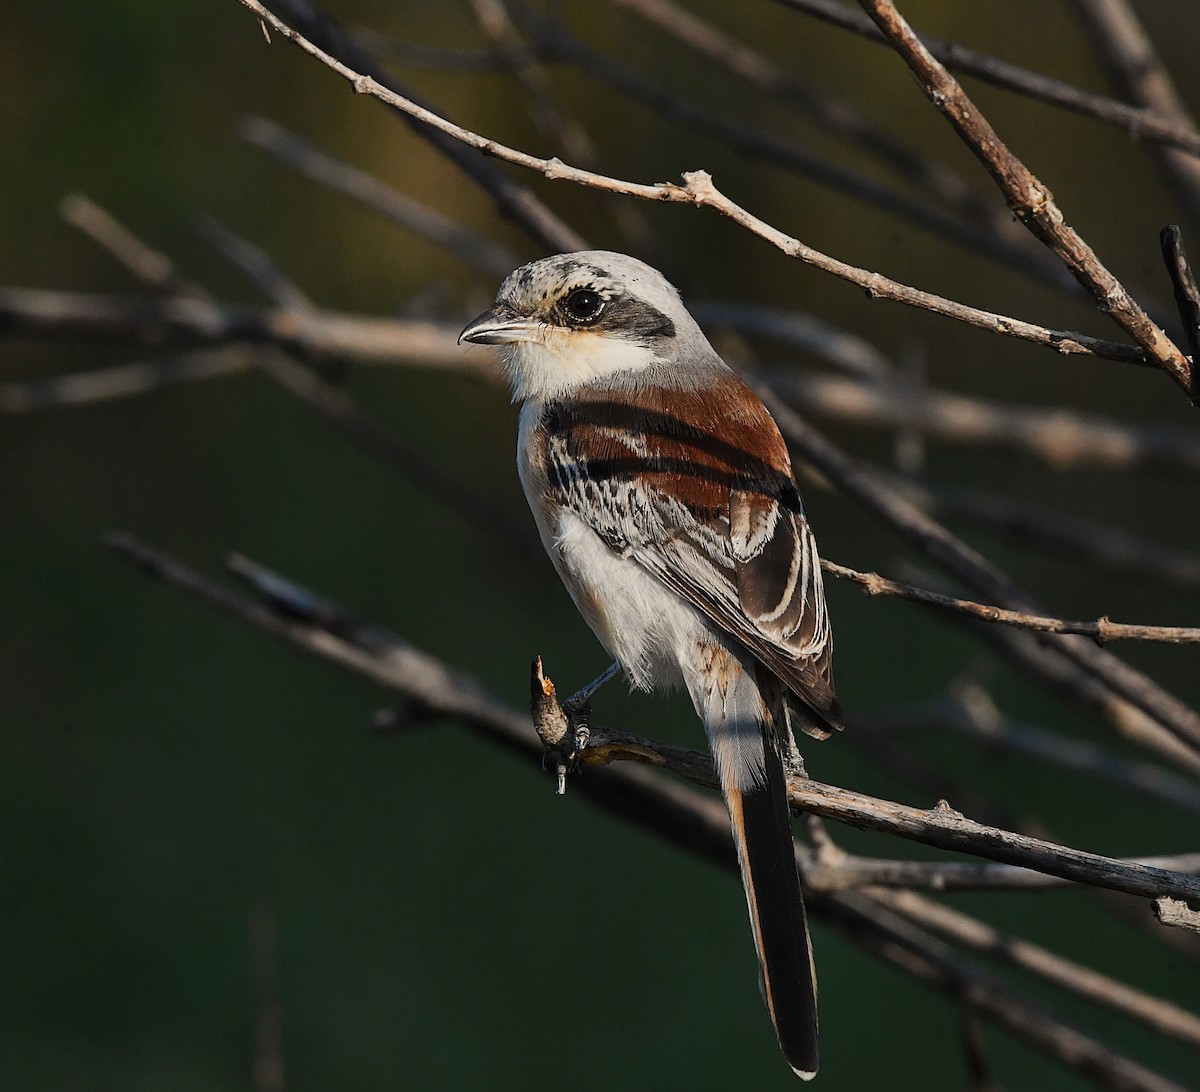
[749, 753]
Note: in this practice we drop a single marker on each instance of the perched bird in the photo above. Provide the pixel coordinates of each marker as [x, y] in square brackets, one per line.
[664, 495]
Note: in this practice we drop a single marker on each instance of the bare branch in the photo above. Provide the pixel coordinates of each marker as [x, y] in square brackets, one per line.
[1135, 67]
[970, 710]
[360, 338]
[1140, 124]
[255, 263]
[1183, 281]
[1068, 538]
[552, 121]
[846, 872]
[314, 626]
[1063, 438]
[671, 811]
[43, 313]
[892, 938]
[1043, 659]
[1152, 1012]
[124, 380]
[306, 157]
[432, 58]
[698, 189]
[338, 409]
[955, 557]
[834, 116]
[846, 351]
[513, 200]
[143, 261]
[1101, 631]
[1031, 201]
[554, 42]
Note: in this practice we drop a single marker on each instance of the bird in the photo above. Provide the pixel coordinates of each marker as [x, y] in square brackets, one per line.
[664, 494]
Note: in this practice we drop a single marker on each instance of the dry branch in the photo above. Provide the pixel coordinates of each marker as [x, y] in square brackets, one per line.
[1153, 1012]
[513, 200]
[970, 710]
[323, 333]
[1134, 65]
[1140, 124]
[1101, 631]
[1063, 438]
[1031, 201]
[698, 189]
[555, 43]
[324, 630]
[698, 824]
[893, 938]
[143, 261]
[1067, 538]
[304, 156]
[937, 543]
[834, 116]
[174, 320]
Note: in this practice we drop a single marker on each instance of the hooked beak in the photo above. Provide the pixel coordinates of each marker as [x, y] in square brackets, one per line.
[500, 326]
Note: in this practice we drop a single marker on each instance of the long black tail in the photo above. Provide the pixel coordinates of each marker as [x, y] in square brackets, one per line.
[748, 748]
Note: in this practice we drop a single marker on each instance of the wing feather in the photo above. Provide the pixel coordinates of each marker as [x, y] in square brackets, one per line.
[718, 522]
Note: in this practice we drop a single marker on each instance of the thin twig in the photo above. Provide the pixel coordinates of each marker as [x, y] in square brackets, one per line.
[952, 555]
[898, 941]
[311, 624]
[1031, 201]
[562, 128]
[838, 347]
[1061, 437]
[341, 411]
[1042, 659]
[142, 260]
[970, 710]
[433, 58]
[1101, 631]
[513, 200]
[1135, 67]
[847, 872]
[1140, 124]
[551, 119]
[45, 313]
[979, 1065]
[554, 42]
[255, 263]
[698, 189]
[1068, 538]
[834, 116]
[304, 156]
[1183, 282]
[268, 1071]
[1152, 1012]
[673, 812]
[125, 380]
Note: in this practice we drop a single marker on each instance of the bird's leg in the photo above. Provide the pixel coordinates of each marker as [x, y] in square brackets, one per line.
[563, 728]
[578, 708]
[577, 704]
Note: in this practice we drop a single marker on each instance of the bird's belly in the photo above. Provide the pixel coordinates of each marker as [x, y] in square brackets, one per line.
[645, 626]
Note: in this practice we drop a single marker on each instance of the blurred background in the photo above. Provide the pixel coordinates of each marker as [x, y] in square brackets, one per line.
[200, 829]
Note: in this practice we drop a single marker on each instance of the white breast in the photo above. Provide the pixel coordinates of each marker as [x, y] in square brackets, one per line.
[645, 626]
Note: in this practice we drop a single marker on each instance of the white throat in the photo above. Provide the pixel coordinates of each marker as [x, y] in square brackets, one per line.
[564, 360]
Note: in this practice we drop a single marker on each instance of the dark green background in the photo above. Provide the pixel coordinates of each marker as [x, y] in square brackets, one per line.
[167, 777]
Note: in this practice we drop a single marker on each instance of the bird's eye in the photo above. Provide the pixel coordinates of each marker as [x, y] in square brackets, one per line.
[583, 305]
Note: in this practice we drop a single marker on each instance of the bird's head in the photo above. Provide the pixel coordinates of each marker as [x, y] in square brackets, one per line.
[571, 319]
